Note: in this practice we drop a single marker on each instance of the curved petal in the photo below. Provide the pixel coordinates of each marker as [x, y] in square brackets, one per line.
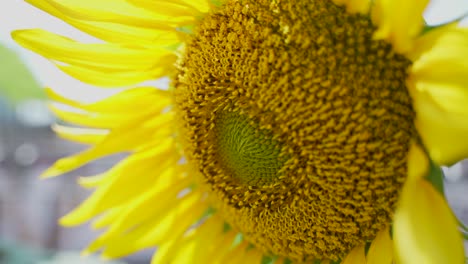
[399, 21]
[427, 41]
[121, 12]
[199, 6]
[441, 66]
[439, 88]
[172, 224]
[424, 229]
[381, 249]
[172, 8]
[196, 246]
[418, 163]
[356, 256]
[101, 64]
[103, 78]
[101, 56]
[443, 132]
[129, 101]
[121, 179]
[224, 246]
[80, 135]
[114, 32]
[253, 256]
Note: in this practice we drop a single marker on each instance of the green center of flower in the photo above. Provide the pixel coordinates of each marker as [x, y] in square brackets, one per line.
[250, 154]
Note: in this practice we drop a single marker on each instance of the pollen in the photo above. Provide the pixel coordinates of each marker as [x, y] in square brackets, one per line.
[298, 122]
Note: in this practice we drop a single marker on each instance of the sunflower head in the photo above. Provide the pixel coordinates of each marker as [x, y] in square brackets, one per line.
[297, 131]
[295, 115]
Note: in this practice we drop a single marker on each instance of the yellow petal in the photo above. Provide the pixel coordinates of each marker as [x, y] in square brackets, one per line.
[157, 197]
[165, 252]
[439, 88]
[440, 43]
[169, 8]
[424, 229]
[100, 64]
[162, 225]
[443, 132]
[80, 135]
[115, 78]
[202, 6]
[121, 12]
[399, 21]
[132, 214]
[441, 67]
[114, 120]
[121, 180]
[129, 101]
[121, 109]
[418, 163]
[199, 246]
[115, 32]
[236, 255]
[147, 120]
[381, 249]
[100, 56]
[107, 218]
[102, 121]
[92, 181]
[253, 256]
[224, 246]
[174, 224]
[202, 244]
[118, 140]
[356, 256]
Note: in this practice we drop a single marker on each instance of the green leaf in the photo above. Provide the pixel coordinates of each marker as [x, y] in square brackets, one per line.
[268, 259]
[428, 28]
[465, 235]
[217, 3]
[464, 229]
[436, 178]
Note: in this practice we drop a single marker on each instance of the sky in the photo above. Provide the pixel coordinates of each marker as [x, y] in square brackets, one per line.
[16, 14]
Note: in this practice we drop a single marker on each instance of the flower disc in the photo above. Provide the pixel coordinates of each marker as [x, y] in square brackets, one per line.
[298, 122]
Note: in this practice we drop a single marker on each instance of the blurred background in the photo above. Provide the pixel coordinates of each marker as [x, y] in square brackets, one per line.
[29, 207]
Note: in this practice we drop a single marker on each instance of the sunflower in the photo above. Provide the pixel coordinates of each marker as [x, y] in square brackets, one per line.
[294, 131]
